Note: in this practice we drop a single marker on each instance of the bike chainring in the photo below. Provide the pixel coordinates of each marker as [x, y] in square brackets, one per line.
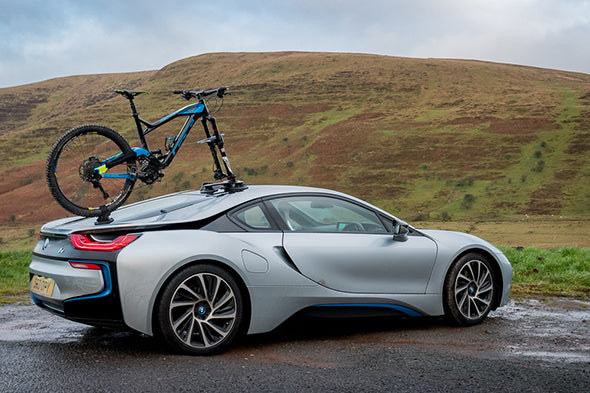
[149, 170]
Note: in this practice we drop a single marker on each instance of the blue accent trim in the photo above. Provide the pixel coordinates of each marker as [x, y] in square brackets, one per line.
[191, 109]
[36, 300]
[140, 151]
[177, 144]
[405, 310]
[118, 176]
[106, 275]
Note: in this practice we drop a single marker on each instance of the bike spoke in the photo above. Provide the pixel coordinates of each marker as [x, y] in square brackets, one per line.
[73, 173]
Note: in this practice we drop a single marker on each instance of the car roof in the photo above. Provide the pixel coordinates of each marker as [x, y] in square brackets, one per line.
[180, 207]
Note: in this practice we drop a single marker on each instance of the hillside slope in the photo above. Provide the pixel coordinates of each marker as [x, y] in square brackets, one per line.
[422, 138]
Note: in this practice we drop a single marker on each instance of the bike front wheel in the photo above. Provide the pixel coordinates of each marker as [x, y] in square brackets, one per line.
[73, 173]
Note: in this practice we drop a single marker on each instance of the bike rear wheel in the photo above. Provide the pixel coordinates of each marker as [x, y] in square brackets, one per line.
[73, 180]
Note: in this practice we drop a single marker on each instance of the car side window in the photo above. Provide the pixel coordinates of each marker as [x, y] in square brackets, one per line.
[253, 216]
[326, 214]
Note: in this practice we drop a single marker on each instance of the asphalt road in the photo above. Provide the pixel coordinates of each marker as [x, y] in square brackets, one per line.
[532, 345]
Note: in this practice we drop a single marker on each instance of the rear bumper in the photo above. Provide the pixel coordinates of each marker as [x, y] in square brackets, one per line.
[81, 295]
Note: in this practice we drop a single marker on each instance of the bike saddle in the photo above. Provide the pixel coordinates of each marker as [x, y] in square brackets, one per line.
[130, 93]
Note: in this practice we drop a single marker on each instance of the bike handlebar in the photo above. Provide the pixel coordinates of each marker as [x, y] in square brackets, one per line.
[188, 94]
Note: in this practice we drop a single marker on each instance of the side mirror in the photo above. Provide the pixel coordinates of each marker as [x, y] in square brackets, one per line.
[400, 233]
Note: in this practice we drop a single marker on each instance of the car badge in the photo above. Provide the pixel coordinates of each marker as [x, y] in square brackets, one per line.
[45, 244]
[60, 251]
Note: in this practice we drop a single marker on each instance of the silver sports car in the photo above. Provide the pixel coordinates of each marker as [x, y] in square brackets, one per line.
[200, 268]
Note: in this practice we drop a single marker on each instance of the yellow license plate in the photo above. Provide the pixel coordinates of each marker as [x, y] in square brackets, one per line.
[42, 286]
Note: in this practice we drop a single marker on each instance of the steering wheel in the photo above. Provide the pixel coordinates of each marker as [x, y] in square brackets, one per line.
[352, 227]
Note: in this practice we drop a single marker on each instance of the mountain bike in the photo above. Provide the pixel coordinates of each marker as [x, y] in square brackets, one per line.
[91, 169]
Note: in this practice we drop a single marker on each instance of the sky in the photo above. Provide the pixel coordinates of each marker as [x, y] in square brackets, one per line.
[44, 39]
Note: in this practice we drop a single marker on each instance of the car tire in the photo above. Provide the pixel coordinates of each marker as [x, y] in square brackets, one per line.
[201, 310]
[469, 290]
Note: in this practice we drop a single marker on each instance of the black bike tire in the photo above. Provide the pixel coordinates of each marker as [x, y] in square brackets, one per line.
[53, 182]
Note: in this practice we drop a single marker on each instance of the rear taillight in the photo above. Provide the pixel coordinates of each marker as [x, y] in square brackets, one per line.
[86, 243]
[85, 265]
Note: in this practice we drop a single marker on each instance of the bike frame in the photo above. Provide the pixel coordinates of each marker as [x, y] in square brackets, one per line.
[193, 112]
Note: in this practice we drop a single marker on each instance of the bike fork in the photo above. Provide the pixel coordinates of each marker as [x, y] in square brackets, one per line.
[213, 141]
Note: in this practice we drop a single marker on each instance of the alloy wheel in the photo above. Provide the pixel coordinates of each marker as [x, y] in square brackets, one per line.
[473, 289]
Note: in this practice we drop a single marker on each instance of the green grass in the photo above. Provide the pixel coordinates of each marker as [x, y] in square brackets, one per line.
[14, 275]
[555, 271]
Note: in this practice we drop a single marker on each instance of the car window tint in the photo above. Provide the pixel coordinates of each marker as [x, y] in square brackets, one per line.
[324, 214]
[254, 217]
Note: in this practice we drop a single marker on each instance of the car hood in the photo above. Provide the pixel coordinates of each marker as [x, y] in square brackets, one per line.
[458, 240]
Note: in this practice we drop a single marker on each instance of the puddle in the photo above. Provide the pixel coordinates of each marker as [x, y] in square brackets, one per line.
[552, 330]
[577, 357]
[32, 324]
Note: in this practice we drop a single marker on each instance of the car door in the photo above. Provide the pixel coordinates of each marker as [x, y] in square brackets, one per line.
[345, 246]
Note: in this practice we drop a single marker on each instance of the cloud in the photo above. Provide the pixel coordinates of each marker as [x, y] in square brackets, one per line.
[42, 39]
[538, 33]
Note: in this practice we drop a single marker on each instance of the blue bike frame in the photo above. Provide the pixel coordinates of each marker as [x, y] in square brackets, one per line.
[194, 112]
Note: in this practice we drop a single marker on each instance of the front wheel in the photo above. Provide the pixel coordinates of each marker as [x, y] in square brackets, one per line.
[72, 174]
[201, 310]
[469, 290]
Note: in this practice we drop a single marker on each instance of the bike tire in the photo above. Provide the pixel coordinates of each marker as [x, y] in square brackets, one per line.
[70, 171]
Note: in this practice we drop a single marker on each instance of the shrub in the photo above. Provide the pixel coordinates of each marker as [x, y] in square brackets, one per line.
[421, 217]
[540, 166]
[178, 177]
[468, 181]
[250, 171]
[467, 202]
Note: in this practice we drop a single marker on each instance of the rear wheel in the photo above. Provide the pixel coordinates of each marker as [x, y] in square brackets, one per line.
[469, 290]
[72, 176]
[201, 310]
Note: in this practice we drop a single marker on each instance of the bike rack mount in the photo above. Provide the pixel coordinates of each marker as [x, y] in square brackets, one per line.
[228, 186]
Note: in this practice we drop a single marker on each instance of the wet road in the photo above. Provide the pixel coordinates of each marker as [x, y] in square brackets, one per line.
[532, 345]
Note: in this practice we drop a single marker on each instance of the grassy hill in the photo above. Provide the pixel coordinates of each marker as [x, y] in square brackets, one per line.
[424, 139]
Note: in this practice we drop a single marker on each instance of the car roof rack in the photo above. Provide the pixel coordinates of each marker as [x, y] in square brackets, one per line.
[228, 186]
